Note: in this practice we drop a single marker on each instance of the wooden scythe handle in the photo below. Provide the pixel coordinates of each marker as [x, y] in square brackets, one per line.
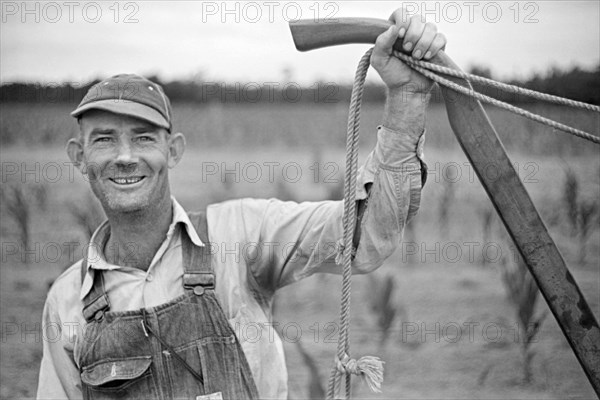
[483, 148]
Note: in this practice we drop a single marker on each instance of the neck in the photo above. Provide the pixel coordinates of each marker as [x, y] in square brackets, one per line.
[136, 236]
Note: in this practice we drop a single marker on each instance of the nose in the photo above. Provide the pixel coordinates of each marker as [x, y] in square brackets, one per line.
[125, 153]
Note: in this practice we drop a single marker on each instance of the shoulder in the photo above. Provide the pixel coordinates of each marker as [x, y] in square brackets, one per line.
[71, 276]
[64, 292]
[237, 220]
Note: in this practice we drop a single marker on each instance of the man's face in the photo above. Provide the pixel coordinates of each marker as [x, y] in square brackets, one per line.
[126, 160]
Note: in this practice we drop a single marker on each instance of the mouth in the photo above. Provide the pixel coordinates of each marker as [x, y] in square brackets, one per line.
[131, 180]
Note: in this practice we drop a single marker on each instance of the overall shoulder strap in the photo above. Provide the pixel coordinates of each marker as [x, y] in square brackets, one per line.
[96, 302]
[197, 265]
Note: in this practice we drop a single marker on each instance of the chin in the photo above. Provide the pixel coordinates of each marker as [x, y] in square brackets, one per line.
[114, 201]
[126, 205]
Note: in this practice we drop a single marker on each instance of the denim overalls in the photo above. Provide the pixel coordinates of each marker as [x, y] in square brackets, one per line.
[183, 349]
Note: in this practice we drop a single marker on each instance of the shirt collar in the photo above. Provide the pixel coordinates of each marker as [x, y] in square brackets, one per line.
[95, 251]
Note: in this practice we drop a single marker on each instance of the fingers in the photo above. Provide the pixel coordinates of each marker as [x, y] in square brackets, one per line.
[424, 42]
[401, 20]
[420, 39]
[413, 33]
[439, 43]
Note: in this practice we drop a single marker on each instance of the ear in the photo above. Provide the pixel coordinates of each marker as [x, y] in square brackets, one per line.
[75, 152]
[176, 148]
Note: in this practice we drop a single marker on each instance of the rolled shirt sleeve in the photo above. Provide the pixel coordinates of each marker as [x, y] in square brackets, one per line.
[395, 171]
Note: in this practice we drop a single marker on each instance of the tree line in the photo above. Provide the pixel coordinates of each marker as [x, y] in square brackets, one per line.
[574, 83]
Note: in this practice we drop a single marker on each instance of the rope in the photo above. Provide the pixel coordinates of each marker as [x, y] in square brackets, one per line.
[519, 111]
[369, 368]
[498, 85]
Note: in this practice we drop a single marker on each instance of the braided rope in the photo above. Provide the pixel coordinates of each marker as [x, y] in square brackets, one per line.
[486, 99]
[498, 85]
[344, 366]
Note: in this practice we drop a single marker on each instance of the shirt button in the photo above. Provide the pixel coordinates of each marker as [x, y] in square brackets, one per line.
[149, 277]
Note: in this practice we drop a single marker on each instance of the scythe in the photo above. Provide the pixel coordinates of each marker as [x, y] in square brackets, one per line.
[481, 145]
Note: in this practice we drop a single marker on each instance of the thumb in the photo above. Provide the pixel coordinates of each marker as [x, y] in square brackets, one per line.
[384, 45]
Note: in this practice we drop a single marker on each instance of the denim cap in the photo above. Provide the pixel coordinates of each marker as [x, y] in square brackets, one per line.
[129, 94]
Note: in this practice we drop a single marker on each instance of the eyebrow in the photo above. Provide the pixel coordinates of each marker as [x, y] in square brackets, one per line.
[101, 131]
[145, 129]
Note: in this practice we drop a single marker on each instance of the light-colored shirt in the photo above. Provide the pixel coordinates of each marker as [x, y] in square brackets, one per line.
[257, 246]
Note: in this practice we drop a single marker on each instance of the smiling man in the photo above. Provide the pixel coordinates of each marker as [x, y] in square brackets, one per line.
[149, 312]
[126, 148]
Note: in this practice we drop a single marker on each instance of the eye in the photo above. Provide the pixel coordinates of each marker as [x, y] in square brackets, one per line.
[103, 139]
[145, 138]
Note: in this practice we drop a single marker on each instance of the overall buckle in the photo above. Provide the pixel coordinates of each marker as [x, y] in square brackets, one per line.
[199, 282]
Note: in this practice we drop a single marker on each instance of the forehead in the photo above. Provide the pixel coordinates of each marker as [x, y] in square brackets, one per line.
[93, 119]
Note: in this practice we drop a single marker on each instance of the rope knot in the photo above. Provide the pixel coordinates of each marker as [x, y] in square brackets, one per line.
[347, 365]
[368, 367]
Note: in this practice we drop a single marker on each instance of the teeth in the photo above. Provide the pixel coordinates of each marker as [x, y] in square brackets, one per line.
[126, 181]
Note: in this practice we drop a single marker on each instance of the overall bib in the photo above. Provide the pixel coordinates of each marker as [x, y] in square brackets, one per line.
[183, 349]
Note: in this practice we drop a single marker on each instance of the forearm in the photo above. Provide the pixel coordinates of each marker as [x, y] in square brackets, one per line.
[405, 111]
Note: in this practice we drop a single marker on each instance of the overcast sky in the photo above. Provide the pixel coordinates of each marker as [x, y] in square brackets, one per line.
[238, 41]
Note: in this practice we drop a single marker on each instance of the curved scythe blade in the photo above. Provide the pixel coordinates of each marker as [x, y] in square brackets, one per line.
[482, 147]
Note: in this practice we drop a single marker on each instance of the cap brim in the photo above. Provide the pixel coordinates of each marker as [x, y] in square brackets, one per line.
[129, 108]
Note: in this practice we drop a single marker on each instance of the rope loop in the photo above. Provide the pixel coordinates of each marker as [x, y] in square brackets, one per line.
[426, 69]
[499, 85]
